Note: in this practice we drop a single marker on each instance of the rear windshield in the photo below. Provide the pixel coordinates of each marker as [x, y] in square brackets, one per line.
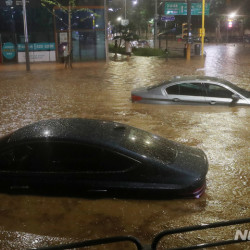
[151, 146]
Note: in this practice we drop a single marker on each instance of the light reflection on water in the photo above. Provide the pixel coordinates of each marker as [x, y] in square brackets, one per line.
[102, 91]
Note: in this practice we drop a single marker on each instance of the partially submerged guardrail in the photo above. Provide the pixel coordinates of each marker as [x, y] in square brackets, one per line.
[159, 237]
[162, 234]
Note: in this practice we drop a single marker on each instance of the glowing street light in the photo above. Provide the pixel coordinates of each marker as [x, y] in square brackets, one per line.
[232, 15]
[119, 19]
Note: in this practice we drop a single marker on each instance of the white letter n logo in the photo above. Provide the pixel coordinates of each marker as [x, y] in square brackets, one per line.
[239, 234]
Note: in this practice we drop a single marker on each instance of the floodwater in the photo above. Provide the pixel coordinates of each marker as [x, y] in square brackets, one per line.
[101, 90]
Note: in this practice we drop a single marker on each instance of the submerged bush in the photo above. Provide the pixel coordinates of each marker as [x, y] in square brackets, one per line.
[118, 50]
[137, 51]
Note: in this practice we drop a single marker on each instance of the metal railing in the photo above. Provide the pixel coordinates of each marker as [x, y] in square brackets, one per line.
[159, 237]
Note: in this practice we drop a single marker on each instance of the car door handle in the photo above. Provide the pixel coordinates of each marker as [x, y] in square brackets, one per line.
[19, 187]
[213, 102]
[176, 100]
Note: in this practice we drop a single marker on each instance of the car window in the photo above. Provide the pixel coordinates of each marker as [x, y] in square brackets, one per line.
[192, 89]
[63, 157]
[214, 90]
[173, 90]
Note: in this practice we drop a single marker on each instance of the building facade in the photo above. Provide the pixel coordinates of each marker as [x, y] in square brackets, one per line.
[48, 28]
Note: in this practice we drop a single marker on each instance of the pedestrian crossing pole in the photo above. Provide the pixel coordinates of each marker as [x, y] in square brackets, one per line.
[155, 24]
[26, 38]
[188, 45]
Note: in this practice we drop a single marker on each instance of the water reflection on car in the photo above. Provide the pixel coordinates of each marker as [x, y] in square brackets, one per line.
[93, 156]
[193, 90]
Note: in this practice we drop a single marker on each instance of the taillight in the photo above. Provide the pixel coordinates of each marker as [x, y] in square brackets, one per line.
[197, 193]
[136, 98]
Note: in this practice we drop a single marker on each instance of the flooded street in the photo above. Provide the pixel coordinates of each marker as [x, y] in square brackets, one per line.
[101, 90]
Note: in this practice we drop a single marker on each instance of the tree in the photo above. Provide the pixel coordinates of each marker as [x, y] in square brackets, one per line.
[69, 8]
[126, 33]
[139, 14]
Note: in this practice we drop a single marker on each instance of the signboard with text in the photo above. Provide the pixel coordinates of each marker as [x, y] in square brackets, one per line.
[37, 46]
[38, 56]
[167, 18]
[9, 50]
[13, 3]
[38, 52]
[176, 8]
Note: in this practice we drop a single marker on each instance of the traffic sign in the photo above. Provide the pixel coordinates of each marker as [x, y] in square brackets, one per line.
[176, 8]
[167, 18]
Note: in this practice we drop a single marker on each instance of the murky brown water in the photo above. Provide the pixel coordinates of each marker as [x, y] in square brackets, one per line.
[102, 91]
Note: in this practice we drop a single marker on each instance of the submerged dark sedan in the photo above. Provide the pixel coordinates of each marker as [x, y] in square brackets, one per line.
[196, 90]
[82, 155]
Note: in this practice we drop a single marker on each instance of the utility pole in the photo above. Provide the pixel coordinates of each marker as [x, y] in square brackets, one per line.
[155, 25]
[26, 38]
[106, 26]
[69, 60]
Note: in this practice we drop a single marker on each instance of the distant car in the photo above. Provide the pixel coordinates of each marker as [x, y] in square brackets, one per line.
[84, 156]
[196, 90]
[143, 44]
[140, 44]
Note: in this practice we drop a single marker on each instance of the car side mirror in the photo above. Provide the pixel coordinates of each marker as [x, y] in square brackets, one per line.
[235, 98]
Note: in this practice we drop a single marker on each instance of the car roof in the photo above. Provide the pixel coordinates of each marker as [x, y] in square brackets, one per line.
[177, 79]
[116, 136]
[187, 78]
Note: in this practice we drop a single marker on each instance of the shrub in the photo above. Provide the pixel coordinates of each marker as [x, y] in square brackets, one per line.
[137, 51]
[119, 50]
[148, 52]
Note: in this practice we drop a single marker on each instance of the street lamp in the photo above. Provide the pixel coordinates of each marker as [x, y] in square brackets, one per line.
[232, 15]
[26, 39]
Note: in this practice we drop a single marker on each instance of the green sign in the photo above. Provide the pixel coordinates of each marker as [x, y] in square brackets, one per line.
[37, 46]
[175, 8]
[9, 50]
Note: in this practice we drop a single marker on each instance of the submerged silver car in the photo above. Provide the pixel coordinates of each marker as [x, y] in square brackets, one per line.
[195, 90]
